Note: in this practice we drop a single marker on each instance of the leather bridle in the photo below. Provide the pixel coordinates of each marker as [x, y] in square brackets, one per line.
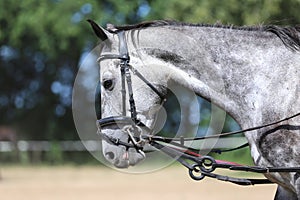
[199, 166]
[133, 125]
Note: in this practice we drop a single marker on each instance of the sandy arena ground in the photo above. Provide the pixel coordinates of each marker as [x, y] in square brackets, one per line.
[101, 183]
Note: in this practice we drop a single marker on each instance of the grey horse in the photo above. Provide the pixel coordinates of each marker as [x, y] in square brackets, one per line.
[253, 73]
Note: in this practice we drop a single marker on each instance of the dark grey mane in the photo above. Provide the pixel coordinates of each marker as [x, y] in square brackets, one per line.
[289, 35]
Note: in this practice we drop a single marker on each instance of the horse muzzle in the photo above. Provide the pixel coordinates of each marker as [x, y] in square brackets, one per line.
[122, 145]
[121, 156]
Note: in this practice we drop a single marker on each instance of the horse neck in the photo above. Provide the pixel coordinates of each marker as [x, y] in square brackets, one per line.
[250, 74]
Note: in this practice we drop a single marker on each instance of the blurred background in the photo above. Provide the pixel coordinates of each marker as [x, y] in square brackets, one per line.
[42, 44]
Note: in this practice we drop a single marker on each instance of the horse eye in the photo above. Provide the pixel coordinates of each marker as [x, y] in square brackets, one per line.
[108, 84]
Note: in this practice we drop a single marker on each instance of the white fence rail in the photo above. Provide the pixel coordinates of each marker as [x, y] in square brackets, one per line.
[24, 146]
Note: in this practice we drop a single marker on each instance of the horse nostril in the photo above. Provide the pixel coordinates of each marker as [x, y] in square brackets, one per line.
[110, 155]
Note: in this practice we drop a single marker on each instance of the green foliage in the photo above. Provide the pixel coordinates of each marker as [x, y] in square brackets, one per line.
[44, 40]
[236, 12]
[42, 25]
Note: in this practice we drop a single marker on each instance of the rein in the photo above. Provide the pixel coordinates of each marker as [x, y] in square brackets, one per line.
[203, 166]
[198, 166]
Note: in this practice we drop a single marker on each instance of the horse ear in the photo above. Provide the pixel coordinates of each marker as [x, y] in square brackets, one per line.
[100, 32]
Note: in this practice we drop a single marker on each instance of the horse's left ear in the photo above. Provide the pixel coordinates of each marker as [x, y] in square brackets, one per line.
[100, 32]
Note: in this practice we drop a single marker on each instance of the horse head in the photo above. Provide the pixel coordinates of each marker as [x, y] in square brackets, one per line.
[130, 99]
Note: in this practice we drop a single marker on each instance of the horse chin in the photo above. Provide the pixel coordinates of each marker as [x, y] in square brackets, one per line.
[119, 156]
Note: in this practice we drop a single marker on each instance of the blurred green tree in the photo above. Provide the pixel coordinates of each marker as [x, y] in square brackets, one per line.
[248, 12]
[41, 44]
